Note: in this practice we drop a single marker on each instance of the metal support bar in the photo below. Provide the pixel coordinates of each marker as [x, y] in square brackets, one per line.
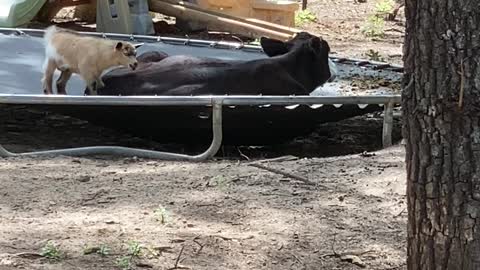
[141, 153]
[387, 124]
[193, 100]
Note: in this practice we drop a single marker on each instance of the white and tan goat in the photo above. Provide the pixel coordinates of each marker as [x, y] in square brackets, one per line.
[89, 57]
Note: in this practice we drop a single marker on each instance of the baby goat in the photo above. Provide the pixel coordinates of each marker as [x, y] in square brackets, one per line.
[70, 52]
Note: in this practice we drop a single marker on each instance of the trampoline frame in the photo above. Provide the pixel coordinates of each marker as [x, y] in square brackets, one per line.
[215, 102]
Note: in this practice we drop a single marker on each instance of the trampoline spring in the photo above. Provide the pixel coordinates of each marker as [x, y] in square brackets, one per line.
[241, 45]
[20, 32]
[186, 42]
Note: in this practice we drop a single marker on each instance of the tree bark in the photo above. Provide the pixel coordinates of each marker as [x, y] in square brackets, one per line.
[442, 56]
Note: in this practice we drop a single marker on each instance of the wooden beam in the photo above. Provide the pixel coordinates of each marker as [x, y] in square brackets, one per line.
[216, 22]
[253, 21]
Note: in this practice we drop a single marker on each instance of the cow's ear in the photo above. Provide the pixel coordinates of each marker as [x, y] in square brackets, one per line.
[273, 47]
[316, 43]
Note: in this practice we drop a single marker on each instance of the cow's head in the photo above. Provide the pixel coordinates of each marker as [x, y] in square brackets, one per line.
[312, 46]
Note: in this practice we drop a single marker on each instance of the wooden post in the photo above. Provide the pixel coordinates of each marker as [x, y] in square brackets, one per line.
[387, 125]
[304, 4]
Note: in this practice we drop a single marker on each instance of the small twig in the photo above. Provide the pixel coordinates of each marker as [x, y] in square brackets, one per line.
[28, 255]
[396, 267]
[275, 194]
[179, 255]
[144, 265]
[226, 238]
[198, 243]
[354, 253]
[12, 247]
[279, 159]
[333, 245]
[296, 177]
[394, 30]
[206, 204]
[298, 259]
[178, 259]
[338, 255]
[401, 212]
[94, 196]
[242, 154]
[162, 249]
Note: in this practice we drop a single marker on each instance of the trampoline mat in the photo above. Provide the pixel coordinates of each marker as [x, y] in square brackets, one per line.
[242, 125]
[22, 57]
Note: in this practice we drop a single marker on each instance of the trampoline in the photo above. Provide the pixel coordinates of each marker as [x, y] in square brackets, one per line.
[233, 120]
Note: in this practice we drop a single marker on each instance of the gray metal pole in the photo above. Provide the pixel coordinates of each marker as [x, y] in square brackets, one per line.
[387, 124]
[141, 153]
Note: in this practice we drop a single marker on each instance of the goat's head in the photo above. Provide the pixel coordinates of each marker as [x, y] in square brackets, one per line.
[125, 54]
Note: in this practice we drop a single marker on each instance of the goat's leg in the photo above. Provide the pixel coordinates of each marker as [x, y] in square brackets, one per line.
[62, 81]
[99, 83]
[91, 89]
[47, 79]
[89, 78]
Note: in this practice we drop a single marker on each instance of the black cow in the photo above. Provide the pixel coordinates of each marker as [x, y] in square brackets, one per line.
[295, 67]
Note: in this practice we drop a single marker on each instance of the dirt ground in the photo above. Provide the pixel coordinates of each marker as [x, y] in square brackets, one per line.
[341, 23]
[224, 214]
[114, 213]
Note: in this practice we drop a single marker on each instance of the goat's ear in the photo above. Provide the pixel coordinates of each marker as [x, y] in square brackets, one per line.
[273, 47]
[119, 46]
[138, 45]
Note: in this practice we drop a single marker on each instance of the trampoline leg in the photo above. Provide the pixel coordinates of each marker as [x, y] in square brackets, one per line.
[387, 125]
[141, 153]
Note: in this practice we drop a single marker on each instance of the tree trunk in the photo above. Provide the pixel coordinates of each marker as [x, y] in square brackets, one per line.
[442, 61]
